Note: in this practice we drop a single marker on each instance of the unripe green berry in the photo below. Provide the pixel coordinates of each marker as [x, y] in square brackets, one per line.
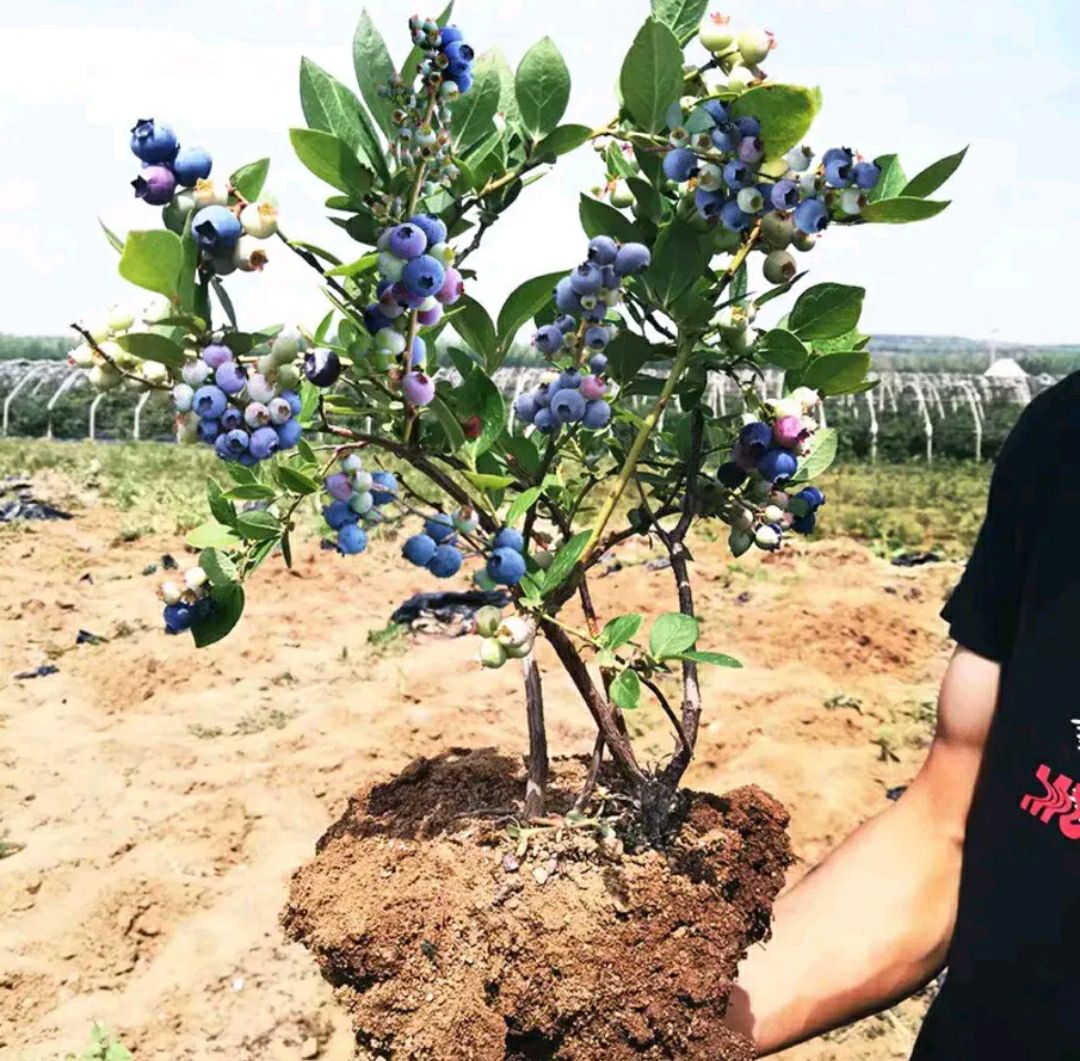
[754, 45]
[779, 267]
[776, 232]
[491, 653]
[621, 196]
[803, 241]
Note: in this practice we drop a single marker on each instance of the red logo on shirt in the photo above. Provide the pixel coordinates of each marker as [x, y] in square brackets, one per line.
[1059, 799]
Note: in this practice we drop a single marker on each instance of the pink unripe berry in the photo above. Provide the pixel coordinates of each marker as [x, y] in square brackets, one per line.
[788, 431]
[592, 387]
[452, 288]
[256, 415]
[418, 388]
[339, 487]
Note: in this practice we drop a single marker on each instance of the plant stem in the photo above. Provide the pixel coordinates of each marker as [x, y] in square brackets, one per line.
[536, 785]
[123, 372]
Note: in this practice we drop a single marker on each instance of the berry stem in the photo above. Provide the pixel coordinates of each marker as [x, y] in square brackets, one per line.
[421, 169]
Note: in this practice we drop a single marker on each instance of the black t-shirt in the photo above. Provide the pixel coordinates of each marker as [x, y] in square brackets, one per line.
[1013, 985]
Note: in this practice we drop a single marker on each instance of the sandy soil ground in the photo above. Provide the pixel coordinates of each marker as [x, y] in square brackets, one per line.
[164, 796]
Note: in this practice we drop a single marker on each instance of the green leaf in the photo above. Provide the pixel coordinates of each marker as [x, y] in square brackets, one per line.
[934, 176]
[153, 260]
[679, 258]
[455, 435]
[472, 323]
[249, 180]
[652, 75]
[522, 504]
[508, 104]
[219, 567]
[620, 630]
[826, 310]
[717, 659]
[786, 113]
[564, 561]
[296, 481]
[837, 373]
[562, 140]
[782, 348]
[478, 396]
[522, 304]
[672, 634]
[542, 88]
[625, 690]
[117, 243]
[220, 507]
[223, 298]
[153, 347]
[650, 203]
[251, 492]
[902, 210]
[628, 352]
[212, 535]
[487, 481]
[892, 180]
[228, 607]
[258, 525]
[821, 456]
[331, 107]
[473, 115]
[331, 160]
[602, 219]
[682, 17]
[374, 69]
[309, 402]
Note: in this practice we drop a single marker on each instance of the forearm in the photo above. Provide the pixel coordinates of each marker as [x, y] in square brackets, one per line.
[866, 928]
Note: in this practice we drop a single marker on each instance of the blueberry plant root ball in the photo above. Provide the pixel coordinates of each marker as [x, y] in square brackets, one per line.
[414, 868]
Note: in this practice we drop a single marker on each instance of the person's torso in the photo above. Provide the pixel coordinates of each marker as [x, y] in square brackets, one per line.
[1013, 983]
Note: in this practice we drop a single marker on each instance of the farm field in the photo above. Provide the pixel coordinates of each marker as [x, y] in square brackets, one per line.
[155, 799]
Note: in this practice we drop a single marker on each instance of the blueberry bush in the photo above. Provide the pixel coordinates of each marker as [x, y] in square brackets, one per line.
[708, 197]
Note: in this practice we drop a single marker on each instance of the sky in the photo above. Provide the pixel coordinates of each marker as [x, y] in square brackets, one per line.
[922, 77]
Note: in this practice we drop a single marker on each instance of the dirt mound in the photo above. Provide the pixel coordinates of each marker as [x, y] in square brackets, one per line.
[447, 938]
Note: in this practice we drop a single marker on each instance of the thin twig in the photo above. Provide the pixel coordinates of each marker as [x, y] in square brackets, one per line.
[663, 701]
[123, 372]
[536, 785]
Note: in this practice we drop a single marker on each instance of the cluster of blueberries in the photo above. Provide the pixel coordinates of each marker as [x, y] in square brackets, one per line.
[436, 548]
[358, 499]
[422, 135]
[567, 398]
[724, 160]
[228, 235]
[187, 604]
[415, 276]
[502, 639]
[768, 451]
[246, 416]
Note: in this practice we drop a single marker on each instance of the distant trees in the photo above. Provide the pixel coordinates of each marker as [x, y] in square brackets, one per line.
[34, 347]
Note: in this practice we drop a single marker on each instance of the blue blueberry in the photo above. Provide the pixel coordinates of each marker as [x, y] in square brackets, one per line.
[805, 524]
[190, 165]
[566, 324]
[509, 538]
[525, 408]
[230, 377]
[209, 402]
[838, 173]
[424, 276]
[570, 379]
[812, 496]
[351, 539]
[232, 419]
[632, 258]
[153, 141]
[407, 241]
[155, 185]
[439, 527]
[748, 126]
[549, 339]
[464, 82]
[724, 140]
[597, 415]
[587, 279]
[730, 475]
[506, 567]
[603, 250]
[811, 216]
[838, 154]
[457, 51]
[322, 367]
[568, 405]
[680, 164]
[208, 429]
[431, 226]
[755, 438]
[178, 617]
[375, 320]
[784, 195]
[215, 228]
[236, 442]
[734, 217]
[288, 434]
[598, 363]
[294, 401]
[448, 35]
[542, 394]
[387, 487]
[546, 421]
[777, 465]
[738, 175]
[751, 150]
[597, 337]
[866, 175]
[709, 203]
[445, 562]
[566, 298]
[419, 549]
[264, 443]
[715, 110]
[338, 514]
